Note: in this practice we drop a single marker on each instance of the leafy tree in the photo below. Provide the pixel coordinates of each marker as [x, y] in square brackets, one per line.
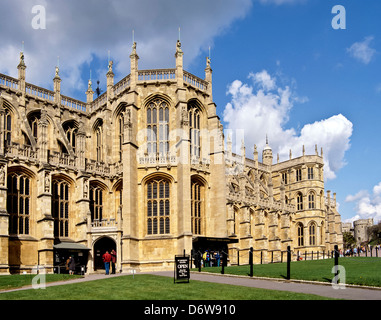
[349, 240]
[374, 233]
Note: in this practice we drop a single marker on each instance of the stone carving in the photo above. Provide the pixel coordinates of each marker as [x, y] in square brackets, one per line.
[47, 182]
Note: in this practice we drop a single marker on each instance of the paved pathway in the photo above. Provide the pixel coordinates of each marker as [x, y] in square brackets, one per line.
[325, 290]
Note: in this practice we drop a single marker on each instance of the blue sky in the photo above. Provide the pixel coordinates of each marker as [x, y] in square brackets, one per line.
[298, 42]
[279, 68]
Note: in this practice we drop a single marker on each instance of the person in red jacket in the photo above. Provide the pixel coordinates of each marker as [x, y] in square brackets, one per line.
[106, 259]
[113, 261]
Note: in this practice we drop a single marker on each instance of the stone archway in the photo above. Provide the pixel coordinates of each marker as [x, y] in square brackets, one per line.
[100, 247]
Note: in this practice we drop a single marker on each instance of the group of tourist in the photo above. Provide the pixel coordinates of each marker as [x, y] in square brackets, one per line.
[354, 251]
[211, 259]
[109, 258]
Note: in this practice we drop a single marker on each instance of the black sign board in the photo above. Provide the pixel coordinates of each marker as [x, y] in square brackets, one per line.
[182, 270]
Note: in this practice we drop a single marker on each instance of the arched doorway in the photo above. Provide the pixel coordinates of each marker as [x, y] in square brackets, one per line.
[100, 247]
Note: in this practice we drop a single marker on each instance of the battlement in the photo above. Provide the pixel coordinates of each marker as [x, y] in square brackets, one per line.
[137, 77]
[145, 77]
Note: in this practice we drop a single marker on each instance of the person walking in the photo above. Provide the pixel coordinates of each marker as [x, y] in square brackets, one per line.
[67, 264]
[71, 265]
[218, 258]
[106, 259]
[113, 261]
[204, 259]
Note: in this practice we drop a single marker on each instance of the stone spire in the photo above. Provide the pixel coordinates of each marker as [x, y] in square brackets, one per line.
[243, 149]
[134, 58]
[110, 79]
[179, 64]
[57, 84]
[90, 92]
[21, 68]
[255, 153]
[229, 146]
[208, 77]
[267, 154]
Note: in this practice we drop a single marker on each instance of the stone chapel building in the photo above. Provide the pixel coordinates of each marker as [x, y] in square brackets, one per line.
[143, 170]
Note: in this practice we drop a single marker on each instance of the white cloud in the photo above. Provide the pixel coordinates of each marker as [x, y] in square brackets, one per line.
[367, 205]
[362, 50]
[264, 80]
[359, 195]
[377, 189]
[81, 31]
[263, 108]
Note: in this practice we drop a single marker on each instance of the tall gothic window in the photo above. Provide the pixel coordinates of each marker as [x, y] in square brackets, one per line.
[194, 131]
[120, 135]
[18, 204]
[158, 207]
[312, 232]
[311, 200]
[96, 203]
[34, 126]
[158, 127]
[298, 174]
[299, 201]
[285, 177]
[7, 127]
[99, 143]
[300, 235]
[196, 207]
[310, 173]
[235, 217]
[61, 208]
[33, 120]
[322, 233]
[71, 135]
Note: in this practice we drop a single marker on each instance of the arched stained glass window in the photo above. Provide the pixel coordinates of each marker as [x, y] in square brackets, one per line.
[197, 209]
[194, 130]
[18, 203]
[158, 127]
[96, 203]
[300, 234]
[312, 232]
[299, 201]
[158, 207]
[60, 210]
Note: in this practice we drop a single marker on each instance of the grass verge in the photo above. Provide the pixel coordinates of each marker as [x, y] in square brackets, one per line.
[150, 287]
[22, 280]
[358, 270]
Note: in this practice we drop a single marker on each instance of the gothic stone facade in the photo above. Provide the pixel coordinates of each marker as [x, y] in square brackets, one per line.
[144, 167]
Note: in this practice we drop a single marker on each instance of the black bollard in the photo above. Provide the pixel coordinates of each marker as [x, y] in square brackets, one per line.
[288, 263]
[223, 263]
[336, 252]
[251, 261]
[199, 261]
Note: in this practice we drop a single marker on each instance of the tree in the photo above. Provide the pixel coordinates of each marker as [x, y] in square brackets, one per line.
[374, 233]
[349, 240]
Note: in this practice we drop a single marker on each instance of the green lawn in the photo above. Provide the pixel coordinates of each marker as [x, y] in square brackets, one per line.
[21, 280]
[361, 271]
[149, 287]
[358, 270]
